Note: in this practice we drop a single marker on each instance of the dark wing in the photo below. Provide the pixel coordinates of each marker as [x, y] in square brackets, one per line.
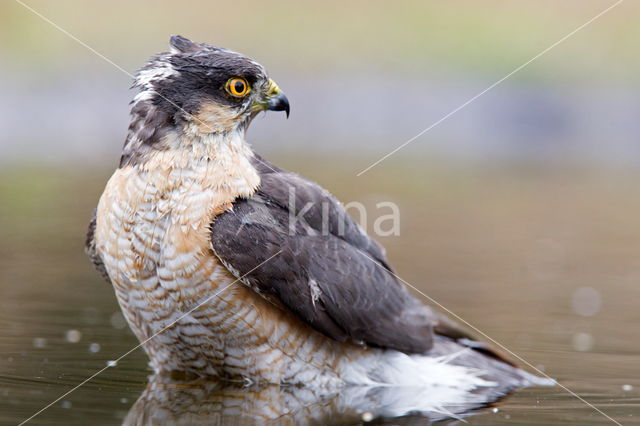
[294, 241]
[90, 249]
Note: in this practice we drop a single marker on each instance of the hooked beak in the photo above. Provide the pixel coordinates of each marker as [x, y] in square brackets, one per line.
[276, 100]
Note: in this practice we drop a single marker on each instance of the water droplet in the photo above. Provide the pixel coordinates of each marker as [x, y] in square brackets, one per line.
[586, 301]
[367, 417]
[73, 336]
[94, 348]
[627, 388]
[112, 363]
[117, 320]
[39, 342]
[494, 410]
[66, 404]
[582, 342]
[124, 400]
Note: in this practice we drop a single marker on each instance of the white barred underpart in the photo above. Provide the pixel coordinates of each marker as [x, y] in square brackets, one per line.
[153, 235]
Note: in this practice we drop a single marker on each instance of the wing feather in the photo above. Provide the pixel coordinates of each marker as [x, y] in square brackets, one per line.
[327, 270]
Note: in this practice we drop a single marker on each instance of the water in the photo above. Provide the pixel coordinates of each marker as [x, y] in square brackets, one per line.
[545, 263]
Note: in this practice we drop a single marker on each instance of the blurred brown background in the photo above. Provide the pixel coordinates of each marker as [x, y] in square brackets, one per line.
[520, 213]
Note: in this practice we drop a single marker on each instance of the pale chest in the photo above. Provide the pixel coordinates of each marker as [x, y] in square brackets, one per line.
[152, 230]
[153, 236]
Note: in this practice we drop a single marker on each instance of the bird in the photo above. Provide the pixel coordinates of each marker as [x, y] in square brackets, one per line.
[227, 266]
[170, 400]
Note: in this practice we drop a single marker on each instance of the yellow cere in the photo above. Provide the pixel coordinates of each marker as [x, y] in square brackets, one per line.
[273, 88]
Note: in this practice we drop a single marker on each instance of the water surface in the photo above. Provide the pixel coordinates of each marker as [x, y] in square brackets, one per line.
[545, 263]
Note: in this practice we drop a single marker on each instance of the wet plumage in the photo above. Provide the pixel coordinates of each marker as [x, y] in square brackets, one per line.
[195, 232]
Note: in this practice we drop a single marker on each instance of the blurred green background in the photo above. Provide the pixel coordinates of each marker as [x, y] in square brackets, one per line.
[520, 213]
[363, 77]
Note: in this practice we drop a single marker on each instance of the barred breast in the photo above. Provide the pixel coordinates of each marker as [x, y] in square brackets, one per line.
[153, 236]
[153, 233]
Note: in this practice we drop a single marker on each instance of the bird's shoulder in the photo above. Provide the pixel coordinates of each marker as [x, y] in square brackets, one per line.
[307, 202]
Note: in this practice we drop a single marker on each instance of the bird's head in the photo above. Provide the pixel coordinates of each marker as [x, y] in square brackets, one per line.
[199, 89]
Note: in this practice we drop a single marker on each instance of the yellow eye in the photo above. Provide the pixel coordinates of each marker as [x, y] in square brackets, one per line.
[238, 87]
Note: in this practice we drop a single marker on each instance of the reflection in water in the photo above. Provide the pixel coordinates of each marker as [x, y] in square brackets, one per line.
[170, 401]
[507, 251]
